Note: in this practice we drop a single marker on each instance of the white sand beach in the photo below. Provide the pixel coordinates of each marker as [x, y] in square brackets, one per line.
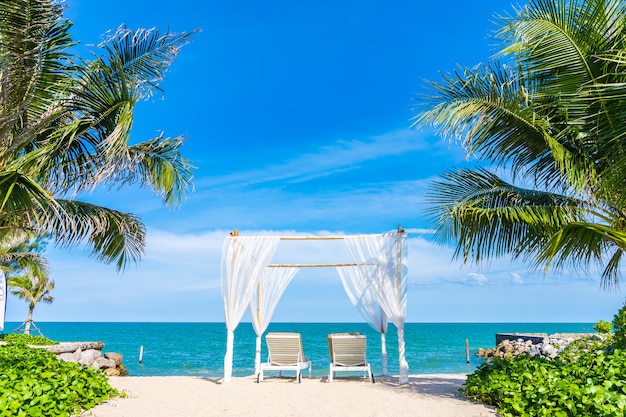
[424, 396]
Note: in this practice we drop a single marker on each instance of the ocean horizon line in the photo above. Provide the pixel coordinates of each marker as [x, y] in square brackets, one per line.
[306, 322]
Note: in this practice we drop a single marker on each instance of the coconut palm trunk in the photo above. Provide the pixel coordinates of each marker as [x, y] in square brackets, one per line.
[29, 318]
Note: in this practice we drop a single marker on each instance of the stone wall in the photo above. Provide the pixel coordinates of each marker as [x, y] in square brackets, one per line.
[89, 354]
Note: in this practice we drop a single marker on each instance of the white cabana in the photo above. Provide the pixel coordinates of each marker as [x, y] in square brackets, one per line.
[3, 299]
[375, 283]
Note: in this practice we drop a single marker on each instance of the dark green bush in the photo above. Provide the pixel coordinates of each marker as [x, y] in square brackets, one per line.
[580, 382]
[33, 382]
[619, 328]
[26, 339]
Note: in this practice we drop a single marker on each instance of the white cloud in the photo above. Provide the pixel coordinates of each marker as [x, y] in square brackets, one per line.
[517, 279]
[477, 279]
[179, 279]
[340, 156]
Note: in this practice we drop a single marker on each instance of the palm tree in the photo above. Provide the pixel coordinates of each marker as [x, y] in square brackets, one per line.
[20, 251]
[547, 112]
[26, 271]
[32, 288]
[65, 125]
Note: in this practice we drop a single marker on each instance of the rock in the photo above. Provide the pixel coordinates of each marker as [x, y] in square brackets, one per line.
[115, 357]
[100, 363]
[70, 357]
[66, 347]
[89, 356]
[546, 347]
[112, 372]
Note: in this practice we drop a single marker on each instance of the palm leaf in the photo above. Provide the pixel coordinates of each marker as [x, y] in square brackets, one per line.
[488, 217]
[581, 243]
[111, 235]
[144, 55]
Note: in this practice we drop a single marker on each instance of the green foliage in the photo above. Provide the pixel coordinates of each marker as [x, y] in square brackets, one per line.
[33, 382]
[584, 380]
[619, 326]
[66, 129]
[603, 327]
[543, 114]
[26, 339]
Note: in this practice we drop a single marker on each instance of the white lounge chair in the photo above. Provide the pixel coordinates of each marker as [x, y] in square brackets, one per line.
[348, 353]
[285, 353]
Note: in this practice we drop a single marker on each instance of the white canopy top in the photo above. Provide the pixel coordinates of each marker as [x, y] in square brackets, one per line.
[376, 284]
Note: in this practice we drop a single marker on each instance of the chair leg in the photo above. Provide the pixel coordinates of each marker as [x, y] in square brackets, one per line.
[330, 374]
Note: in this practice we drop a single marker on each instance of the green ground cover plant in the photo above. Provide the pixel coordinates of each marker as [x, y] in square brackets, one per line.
[591, 385]
[34, 383]
[26, 339]
[588, 378]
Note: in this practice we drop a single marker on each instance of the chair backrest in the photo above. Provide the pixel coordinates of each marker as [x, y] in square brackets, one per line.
[348, 350]
[284, 348]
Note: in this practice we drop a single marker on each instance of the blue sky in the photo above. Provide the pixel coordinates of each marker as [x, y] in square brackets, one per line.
[297, 116]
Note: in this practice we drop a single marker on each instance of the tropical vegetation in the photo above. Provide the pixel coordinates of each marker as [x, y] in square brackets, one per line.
[26, 339]
[545, 116]
[23, 265]
[33, 382]
[33, 288]
[585, 379]
[65, 128]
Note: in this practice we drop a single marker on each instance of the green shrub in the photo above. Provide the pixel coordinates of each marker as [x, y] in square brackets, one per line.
[603, 327]
[26, 339]
[582, 381]
[33, 382]
[619, 327]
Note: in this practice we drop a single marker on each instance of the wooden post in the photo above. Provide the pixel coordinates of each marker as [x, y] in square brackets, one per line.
[467, 356]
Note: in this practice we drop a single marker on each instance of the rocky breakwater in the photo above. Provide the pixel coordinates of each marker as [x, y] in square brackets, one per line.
[89, 354]
[547, 347]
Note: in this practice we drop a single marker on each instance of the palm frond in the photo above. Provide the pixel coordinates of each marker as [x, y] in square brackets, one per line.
[33, 42]
[158, 163]
[580, 244]
[23, 202]
[487, 217]
[144, 55]
[111, 235]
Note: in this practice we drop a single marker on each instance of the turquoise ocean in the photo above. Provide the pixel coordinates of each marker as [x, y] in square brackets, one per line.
[197, 349]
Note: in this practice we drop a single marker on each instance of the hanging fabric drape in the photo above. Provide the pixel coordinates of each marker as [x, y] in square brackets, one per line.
[243, 262]
[377, 289]
[268, 292]
[363, 297]
[388, 281]
[3, 299]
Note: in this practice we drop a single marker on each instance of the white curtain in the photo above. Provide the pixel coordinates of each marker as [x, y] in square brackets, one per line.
[3, 299]
[243, 262]
[264, 300]
[389, 282]
[363, 297]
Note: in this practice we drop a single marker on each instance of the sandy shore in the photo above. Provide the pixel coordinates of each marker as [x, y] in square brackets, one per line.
[424, 396]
